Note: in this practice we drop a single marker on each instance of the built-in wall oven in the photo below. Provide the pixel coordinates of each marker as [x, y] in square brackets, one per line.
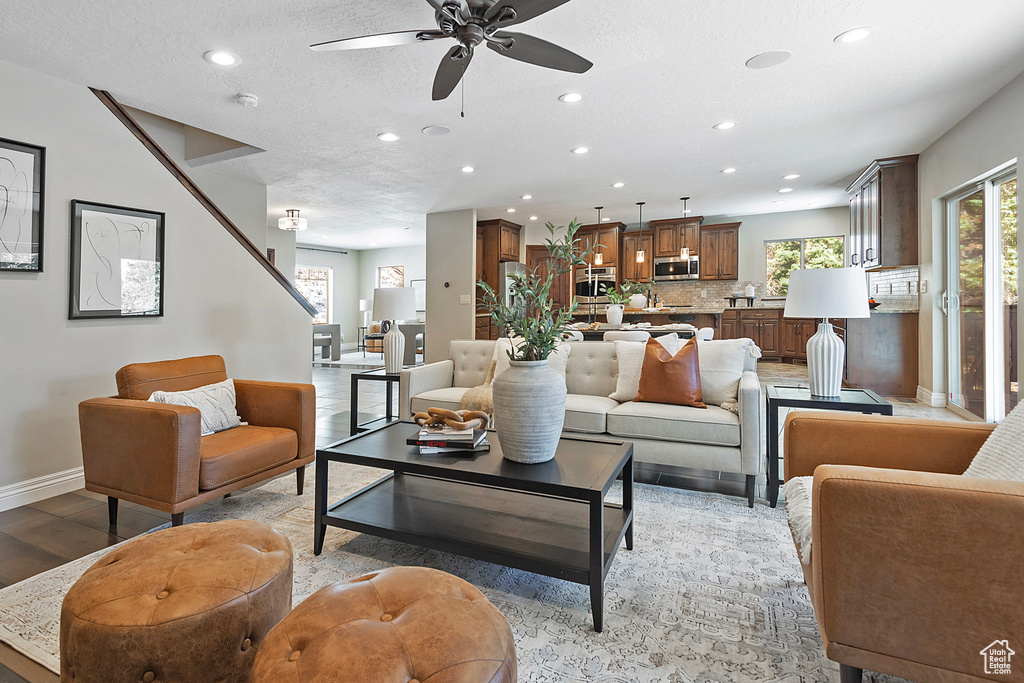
[675, 268]
[592, 285]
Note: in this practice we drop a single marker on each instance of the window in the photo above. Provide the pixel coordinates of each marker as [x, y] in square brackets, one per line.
[391, 276]
[784, 256]
[981, 302]
[314, 283]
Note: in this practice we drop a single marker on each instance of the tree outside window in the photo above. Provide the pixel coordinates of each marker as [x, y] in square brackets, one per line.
[391, 276]
[784, 256]
[314, 283]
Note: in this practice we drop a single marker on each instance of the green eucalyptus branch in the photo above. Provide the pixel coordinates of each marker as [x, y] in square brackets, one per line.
[535, 320]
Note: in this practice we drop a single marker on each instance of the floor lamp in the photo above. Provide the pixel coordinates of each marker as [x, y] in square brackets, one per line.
[394, 304]
[825, 293]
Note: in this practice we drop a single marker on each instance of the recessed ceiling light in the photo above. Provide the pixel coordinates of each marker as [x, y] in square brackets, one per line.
[618, 185]
[373, 244]
[527, 196]
[437, 130]
[510, 210]
[468, 169]
[605, 219]
[724, 125]
[779, 201]
[853, 35]
[728, 170]
[221, 58]
[784, 190]
[533, 218]
[791, 176]
[580, 150]
[571, 97]
[388, 137]
[769, 59]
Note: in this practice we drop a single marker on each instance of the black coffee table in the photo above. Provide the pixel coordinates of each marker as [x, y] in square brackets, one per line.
[548, 519]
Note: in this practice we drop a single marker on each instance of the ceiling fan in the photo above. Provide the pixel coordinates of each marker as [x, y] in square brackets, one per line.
[471, 22]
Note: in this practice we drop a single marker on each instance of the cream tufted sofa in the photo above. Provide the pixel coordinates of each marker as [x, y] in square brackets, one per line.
[705, 439]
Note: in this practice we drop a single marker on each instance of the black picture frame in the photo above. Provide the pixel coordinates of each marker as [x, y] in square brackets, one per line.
[101, 233]
[14, 183]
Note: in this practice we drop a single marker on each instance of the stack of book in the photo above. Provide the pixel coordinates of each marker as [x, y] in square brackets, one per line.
[433, 440]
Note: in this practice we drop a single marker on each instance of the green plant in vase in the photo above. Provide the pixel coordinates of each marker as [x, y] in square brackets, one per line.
[534, 319]
[618, 297]
[636, 292]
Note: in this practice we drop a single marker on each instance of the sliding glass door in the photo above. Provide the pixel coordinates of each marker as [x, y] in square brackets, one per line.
[981, 301]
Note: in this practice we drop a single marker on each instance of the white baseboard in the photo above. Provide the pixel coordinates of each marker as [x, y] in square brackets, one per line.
[41, 488]
[933, 398]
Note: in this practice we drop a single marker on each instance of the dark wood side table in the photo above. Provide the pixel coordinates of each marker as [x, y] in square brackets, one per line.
[377, 375]
[850, 400]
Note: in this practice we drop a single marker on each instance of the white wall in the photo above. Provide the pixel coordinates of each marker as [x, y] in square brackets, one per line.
[984, 140]
[283, 244]
[451, 261]
[413, 258]
[217, 298]
[756, 229]
[345, 267]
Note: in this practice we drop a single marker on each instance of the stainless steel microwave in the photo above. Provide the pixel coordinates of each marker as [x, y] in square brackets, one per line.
[675, 268]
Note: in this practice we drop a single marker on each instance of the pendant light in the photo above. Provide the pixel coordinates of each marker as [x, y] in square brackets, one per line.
[640, 252]
[292, 221]
[598, 256]
[684, 252]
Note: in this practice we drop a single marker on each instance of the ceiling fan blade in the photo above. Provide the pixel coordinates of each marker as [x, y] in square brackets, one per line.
[380, 40]
[540, 52]
[525, 10]
[436, 4]
[450, 72]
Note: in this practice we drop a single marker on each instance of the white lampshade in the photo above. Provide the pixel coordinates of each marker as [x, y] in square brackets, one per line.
[292, 221]
[364, 305]
[394, 303]
[827, 293]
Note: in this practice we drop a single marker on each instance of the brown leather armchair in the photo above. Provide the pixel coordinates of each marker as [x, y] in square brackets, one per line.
[152, 453]
[913, 569]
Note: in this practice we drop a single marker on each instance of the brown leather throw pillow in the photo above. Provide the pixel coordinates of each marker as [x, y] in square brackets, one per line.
[671, 379]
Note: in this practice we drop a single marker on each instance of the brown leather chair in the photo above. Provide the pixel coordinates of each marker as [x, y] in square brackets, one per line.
[913, 569]
[152, 453]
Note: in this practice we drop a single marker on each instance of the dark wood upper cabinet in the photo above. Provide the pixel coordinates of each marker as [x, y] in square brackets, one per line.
[603, 237]
[508, 241]
[632, 242]
[720, 251]
[672, 234]
[883, 214]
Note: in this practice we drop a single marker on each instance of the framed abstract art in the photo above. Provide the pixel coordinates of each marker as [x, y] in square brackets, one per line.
[117, 262]
[22, 170]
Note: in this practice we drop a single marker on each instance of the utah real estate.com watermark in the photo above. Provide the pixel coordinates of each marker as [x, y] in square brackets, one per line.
[997, 657]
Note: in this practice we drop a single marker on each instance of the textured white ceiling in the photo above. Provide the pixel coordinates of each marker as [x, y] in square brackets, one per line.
[665, 71]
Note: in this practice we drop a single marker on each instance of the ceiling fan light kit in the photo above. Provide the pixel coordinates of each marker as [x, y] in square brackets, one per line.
[472, 23]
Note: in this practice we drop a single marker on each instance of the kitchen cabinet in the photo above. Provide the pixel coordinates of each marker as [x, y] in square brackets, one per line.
[673, 234]
[883, 215]
[763, 325]
[632, 242]
[538, 256]
[508, 241]
[720, 251]
[882, 353]
[603, 238]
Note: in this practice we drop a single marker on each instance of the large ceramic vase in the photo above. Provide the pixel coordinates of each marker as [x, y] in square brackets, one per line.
[529, 410]
[614, 313]
[637, 301]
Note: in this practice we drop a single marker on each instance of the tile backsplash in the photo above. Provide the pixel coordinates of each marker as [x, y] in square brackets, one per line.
[897, 289]
[688, 293]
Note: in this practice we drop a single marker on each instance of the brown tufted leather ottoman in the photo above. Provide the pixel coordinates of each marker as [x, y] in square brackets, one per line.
[400, 625]
[190, 603]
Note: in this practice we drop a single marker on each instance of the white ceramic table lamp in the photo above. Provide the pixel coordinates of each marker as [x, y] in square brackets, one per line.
[825, 293]
[364, 308]
[394, 304]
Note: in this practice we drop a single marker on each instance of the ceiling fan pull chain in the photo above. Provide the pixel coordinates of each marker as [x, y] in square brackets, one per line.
[463, 79]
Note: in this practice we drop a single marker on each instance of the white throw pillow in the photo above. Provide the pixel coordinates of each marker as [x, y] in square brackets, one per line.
[556, 361]
[630, 355]
[1001, 456]
[216, 404]
[721, 367]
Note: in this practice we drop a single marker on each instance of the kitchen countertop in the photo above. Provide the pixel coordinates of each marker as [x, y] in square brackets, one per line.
[718, 310]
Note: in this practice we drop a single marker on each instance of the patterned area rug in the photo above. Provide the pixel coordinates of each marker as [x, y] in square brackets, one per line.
[712, 591]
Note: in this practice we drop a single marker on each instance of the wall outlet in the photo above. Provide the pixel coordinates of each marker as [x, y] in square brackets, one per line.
[703, 294]
[924, 286]
[464, 299]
